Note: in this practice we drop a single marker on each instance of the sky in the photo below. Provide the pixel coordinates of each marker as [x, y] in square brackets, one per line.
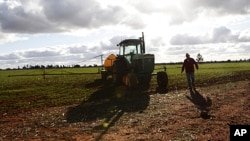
[68, 32]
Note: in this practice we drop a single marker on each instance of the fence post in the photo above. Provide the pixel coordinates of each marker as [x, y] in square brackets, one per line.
[44, 73]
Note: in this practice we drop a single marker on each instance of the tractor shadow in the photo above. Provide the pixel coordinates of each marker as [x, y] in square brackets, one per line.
[203, 104]
[108, 104]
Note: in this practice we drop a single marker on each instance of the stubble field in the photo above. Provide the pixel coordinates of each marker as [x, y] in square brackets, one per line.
[74, 106]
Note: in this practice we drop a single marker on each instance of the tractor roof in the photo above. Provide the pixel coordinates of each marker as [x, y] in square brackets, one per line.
[130, 41]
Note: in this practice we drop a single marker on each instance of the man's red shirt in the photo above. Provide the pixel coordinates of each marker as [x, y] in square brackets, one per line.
[188, 65]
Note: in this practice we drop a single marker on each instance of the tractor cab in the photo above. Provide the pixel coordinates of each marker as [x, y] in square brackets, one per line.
[131, 47]
[132, 58]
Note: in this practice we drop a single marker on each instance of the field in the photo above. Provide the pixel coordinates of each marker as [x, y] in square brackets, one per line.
[67, 104]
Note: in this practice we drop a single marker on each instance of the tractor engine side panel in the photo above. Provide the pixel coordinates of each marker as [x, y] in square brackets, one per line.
[144, 63]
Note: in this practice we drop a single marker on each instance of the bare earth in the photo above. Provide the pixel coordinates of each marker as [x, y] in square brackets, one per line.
[204, 114]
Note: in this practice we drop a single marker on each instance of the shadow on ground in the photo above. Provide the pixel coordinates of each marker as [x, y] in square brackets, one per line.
[108, 103]
[202, 103]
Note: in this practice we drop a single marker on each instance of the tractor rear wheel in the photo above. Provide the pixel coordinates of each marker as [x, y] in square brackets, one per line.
[162, 79]
[104, 74]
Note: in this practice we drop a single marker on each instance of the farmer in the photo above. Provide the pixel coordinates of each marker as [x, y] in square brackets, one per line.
[188, 65]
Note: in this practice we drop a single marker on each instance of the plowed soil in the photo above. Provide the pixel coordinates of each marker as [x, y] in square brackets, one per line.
[141, 114]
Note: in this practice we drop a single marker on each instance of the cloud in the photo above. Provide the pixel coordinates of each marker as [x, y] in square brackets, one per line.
[40, 53]
[88, 13]
[180, 11]
[54, 16]
[244, 49]
[10, 56]
[175, 11]
[28, 54]
[47, 16]
[43, 56]
[77, 49]
[62, 54]
[186, 39]
[210, 52]
[14, 18]
[4, 38]
[219, 35]
[222, 7]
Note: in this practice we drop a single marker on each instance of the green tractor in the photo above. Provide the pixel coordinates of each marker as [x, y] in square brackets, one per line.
[132, 66]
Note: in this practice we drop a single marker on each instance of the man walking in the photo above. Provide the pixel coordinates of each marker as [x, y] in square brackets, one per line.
[188, 65]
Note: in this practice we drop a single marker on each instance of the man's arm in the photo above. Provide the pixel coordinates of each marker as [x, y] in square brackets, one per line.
[182, 69]
[196, 64]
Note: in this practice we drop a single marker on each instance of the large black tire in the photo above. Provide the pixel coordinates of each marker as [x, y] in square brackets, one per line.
[119, 70]
[162, 79]
[104, 74]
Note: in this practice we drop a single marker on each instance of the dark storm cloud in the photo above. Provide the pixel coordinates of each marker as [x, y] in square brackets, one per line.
[86, 13]
[58, 16]
[219, 35]
[18, 20]
[66, 15]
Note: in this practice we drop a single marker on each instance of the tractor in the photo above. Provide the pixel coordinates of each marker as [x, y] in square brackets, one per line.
[132, 66]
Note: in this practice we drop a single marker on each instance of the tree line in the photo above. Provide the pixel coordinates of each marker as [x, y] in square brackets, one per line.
[199, 59]
[25, 67]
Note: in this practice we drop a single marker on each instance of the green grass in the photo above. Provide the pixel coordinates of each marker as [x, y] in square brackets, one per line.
[24, 92]
[207, 72]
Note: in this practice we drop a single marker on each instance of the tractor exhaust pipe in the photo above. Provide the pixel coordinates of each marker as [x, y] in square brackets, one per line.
[143, 43]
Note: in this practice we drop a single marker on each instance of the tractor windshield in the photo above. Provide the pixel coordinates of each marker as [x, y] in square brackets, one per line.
[130, 49]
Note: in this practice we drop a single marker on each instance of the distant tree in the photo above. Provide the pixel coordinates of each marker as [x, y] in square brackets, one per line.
[49, 66]
[199, 58]
[77, 66]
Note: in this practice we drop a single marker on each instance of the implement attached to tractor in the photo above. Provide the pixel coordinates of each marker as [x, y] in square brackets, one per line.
[132, 65]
